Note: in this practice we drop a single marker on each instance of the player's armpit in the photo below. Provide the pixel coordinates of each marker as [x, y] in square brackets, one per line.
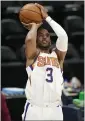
[61, 56]
[30, 60]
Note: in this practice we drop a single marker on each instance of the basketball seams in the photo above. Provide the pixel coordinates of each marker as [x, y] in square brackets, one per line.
[28, 19]
[31, 10]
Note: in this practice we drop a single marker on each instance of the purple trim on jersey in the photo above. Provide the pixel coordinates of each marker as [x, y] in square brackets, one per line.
[58, 105]
[26, 110]
[31, 67]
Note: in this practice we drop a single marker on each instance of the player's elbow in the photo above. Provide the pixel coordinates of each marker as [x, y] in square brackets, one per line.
[62, 43]
[64, 36]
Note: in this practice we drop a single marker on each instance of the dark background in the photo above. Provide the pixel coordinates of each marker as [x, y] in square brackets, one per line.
[69, 14]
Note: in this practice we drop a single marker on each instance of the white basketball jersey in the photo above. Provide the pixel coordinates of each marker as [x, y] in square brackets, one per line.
[44, 79]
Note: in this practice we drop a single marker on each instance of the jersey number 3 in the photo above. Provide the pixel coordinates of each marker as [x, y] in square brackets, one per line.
[49, 75]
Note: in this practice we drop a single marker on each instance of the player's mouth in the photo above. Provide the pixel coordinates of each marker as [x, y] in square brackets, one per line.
[44, 41]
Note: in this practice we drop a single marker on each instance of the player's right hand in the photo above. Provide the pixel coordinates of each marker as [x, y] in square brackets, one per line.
[43, 10]
[39, 24]
[30, 25]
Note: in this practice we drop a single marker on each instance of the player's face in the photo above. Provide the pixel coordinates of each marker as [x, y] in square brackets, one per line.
[43, 38]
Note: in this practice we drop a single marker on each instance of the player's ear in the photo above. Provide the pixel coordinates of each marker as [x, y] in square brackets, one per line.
[50, 42]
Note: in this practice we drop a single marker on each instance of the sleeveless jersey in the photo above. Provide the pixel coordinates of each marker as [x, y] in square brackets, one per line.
[45, 79]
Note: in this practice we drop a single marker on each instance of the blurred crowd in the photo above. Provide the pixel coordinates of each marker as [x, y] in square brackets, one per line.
[70, 15]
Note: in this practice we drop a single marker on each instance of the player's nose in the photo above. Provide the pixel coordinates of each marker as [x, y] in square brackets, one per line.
[44, 37]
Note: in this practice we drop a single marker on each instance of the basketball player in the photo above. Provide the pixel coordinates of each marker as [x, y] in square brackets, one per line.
[44, 69]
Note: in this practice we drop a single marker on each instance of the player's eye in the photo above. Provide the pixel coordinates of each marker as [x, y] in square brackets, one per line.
[40, 35]
[47, 35]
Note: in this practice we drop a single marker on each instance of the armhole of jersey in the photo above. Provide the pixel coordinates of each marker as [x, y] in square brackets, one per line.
[54, 53]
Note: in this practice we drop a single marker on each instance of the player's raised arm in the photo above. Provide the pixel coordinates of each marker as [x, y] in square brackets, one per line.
[62, 41]
[30, 40]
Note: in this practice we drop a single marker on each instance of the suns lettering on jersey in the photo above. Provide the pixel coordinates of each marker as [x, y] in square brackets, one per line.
[42, 61]
[55, 62]
[46, 61]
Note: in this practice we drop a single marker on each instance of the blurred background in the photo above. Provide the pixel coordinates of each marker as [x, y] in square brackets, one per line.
[70, 15]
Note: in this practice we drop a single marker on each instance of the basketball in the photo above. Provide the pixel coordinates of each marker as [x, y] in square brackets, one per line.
[30, 13]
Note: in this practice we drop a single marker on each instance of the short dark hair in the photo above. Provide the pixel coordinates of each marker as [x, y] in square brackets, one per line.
[41, 27]
[46, 26]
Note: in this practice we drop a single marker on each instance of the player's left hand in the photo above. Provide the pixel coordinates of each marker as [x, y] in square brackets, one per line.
[43, 10]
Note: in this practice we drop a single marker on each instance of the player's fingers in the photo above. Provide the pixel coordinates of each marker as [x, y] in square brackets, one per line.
[38, 5]
[41, 7]
[40, 24]
[27, 24]
[24, 24]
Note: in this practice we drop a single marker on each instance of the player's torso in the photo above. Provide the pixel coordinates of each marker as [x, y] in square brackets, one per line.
[46, 78]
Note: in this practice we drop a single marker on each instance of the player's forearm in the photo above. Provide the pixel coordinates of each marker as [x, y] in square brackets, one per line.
[32, 34]
[60, 32]
[30, 42]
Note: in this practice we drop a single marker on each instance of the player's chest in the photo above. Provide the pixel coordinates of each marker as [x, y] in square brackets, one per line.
[46, 60]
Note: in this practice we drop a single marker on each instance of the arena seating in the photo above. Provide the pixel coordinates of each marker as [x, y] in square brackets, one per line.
[71, 113]
[13, 62]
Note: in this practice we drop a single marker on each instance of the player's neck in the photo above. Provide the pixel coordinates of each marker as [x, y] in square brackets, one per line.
[44, 50]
